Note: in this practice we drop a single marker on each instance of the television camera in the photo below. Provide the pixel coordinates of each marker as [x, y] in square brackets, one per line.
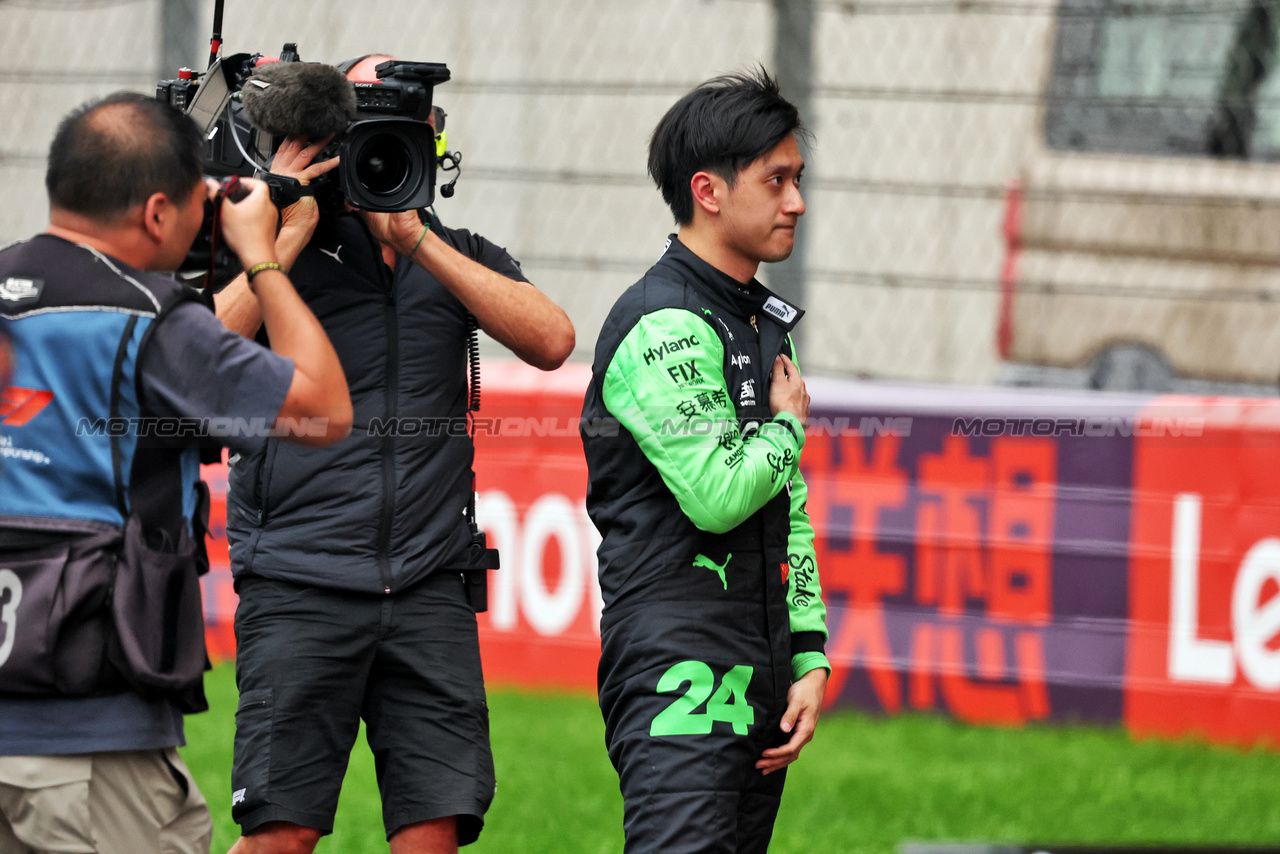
[246, 104]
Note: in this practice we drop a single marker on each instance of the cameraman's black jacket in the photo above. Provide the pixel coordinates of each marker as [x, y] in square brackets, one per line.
[385, 506]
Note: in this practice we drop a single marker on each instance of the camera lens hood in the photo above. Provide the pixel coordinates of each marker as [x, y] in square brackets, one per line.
[388, 164]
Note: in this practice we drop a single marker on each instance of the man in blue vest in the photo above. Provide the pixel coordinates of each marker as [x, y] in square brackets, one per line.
[120, 374]
[349, 561]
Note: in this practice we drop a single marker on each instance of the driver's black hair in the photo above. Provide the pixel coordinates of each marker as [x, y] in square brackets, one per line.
[722, 127]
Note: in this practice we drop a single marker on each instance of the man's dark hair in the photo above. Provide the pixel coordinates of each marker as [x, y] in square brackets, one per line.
[112, 154]
[722, 127]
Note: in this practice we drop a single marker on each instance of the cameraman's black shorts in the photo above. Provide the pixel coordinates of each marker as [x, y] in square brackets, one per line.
[310, 663]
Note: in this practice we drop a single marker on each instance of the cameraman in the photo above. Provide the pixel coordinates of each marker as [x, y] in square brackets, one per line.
[101, 337]
[348, 561]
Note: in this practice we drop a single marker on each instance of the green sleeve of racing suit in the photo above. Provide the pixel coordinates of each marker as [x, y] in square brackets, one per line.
[667, 374]
[666, 386]
[804, 591]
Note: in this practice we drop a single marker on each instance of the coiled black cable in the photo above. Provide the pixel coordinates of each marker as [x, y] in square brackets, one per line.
[473, 363]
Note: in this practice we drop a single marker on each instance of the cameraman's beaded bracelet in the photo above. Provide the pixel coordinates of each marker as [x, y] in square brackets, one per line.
[265, 265]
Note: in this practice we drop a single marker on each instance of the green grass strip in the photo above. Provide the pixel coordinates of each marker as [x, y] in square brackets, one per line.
[865, 784]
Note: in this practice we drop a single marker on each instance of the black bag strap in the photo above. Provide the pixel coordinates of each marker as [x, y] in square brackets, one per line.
[156, 487]
[117, 452]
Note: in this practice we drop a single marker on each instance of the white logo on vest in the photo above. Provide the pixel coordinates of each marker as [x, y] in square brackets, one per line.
[21, 290]
[781, 310]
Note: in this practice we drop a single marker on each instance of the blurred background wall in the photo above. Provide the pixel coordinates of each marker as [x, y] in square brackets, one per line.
[1017, 191]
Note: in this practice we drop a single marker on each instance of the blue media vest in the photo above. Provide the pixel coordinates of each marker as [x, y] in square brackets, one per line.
[71, 425]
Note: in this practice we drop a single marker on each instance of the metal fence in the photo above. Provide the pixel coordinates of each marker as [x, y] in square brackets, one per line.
[1076, 192]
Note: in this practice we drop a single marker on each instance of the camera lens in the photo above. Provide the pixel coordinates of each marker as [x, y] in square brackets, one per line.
[382, 164]
[388, 164]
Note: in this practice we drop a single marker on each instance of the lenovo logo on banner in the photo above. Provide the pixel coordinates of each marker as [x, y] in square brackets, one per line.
[548, 580]
[1255, 620]
[1203, 640]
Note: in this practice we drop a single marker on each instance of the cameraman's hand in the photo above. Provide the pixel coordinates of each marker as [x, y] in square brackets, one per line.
[293, 160]
[249, 225]
[237, 305]
[787, 392]
[399, 230]
[294, 157]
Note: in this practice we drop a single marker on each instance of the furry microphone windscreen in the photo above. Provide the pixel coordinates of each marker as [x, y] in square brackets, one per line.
[307, 99]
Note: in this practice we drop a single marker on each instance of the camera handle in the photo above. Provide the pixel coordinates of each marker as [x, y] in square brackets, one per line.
[285, 190]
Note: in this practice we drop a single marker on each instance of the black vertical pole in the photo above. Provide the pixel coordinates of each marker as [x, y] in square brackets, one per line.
[181, 37]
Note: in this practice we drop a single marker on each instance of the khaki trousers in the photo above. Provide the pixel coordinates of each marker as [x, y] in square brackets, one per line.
[125, 802]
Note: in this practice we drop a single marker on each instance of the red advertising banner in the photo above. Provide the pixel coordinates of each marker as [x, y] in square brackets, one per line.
[542, 628]
[1204, 580]
[999, 556]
